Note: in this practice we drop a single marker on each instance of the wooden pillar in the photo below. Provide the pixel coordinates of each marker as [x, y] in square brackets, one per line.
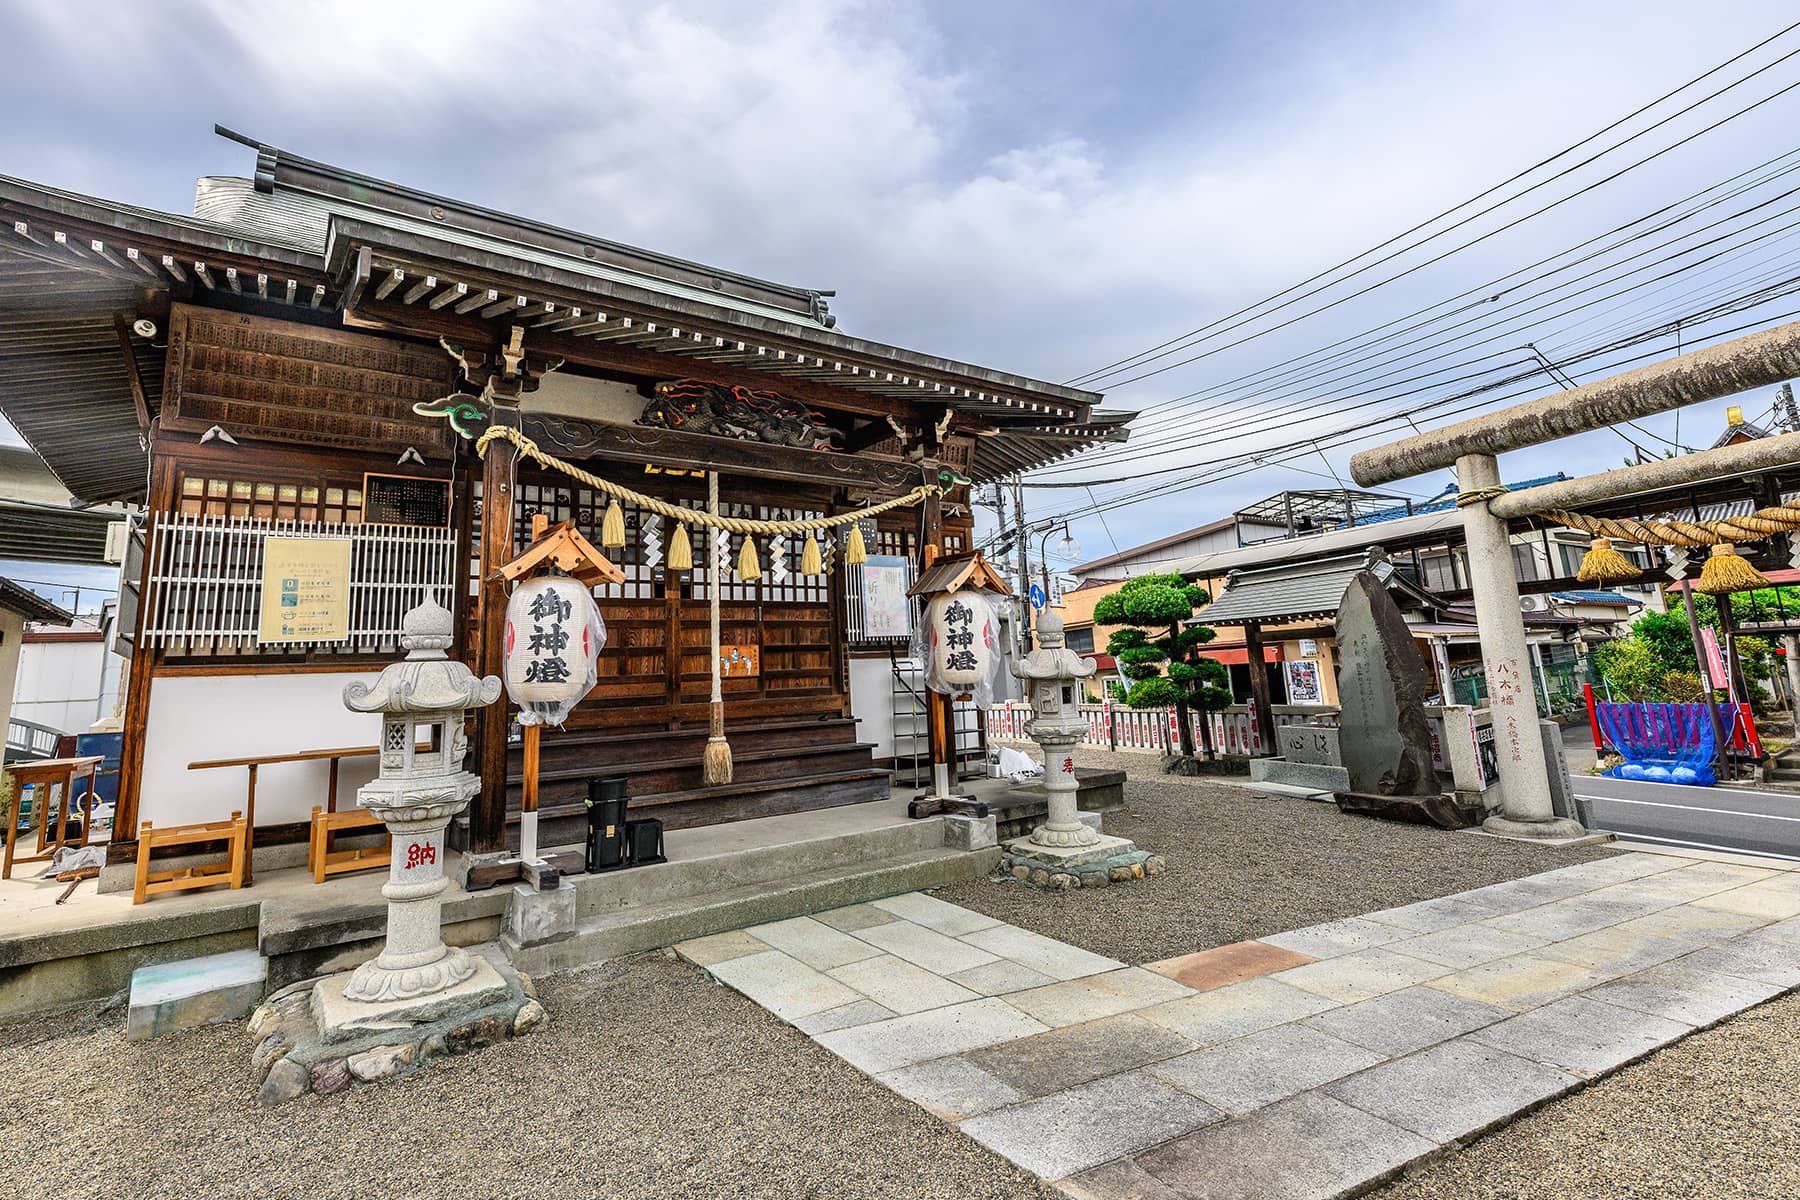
[941, 738]
[139, 671]
[1261, 710]
[487, 815]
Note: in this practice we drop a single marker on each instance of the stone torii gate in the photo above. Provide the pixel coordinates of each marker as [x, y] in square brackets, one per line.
[1472, 446]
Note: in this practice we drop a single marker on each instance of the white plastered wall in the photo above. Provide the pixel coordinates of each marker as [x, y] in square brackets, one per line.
[196, 717]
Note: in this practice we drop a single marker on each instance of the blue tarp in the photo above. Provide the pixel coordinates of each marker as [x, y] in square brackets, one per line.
[1662, 743]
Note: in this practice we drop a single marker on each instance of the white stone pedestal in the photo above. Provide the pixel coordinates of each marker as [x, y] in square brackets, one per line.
[1103, 846]
[341, 1019]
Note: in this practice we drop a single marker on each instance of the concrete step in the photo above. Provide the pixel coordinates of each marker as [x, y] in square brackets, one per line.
[186, 994]
[715, 859]
[663, 923]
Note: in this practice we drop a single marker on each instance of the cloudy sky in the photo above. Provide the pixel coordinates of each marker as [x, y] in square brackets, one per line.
[1035, 187]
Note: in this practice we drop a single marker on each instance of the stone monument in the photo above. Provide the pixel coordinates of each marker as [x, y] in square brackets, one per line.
[419, 996]
[1384, 739]
[1065, 851]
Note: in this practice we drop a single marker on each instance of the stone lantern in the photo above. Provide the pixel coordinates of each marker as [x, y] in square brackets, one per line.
[421, 786]
[1051, 676]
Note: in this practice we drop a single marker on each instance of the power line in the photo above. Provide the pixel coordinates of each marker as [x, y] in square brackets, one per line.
[1172, 345]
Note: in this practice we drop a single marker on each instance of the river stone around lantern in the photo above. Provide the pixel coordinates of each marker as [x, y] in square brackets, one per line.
[291, 1057]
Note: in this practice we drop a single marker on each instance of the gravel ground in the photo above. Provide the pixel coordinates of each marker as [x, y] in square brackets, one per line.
[650, 1082]
[1714, 1116]
[1242, 866]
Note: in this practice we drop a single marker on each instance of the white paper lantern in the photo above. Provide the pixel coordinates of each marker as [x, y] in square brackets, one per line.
[963, 639]
[554, 634]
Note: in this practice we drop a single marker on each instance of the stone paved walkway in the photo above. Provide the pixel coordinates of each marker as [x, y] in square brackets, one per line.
[1303, 1065]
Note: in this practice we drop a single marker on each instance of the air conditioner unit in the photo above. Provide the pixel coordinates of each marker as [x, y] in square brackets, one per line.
[1533, 604]
[117, 535]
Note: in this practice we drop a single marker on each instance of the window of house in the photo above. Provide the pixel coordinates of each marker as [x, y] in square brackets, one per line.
[1439, 571]
[1525, 562]
[1081, 641]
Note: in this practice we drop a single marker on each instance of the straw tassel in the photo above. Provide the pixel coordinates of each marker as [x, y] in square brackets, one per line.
[715, 763]
[1726, 572]
[681, 553]
[749, 569]
[810, 563]
[853, 546]
[612, 527]
[1602, 564]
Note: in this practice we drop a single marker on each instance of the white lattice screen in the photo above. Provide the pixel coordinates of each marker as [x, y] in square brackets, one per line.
[206, 581]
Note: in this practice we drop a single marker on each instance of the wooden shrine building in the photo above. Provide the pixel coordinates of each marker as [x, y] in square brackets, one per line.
[314, 354]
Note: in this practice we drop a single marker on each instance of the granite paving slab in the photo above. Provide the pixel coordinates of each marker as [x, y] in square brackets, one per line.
[1227, 964]
[1085, 1126]
[1697, 925]
[1078, 1054]
[1335, 938]
[1453, 1090]
[858, 1012]
[1429, 916]
[1681, 992]
[783, 984]
[952, 1088]
[1774, 900]
[1242, 1008]
[1309, 1148]
[933, 913]
[720, 947]
[1582, 1035]
[1764, 956]
[853, 917]
[1044, 955]
[1560, 919]
[1249, 1072]
[1361, 975]
[899, 985]
[1407, 1020]
[817, 945]
[935, 1033]
[936, 952]
[1521, 982]
[1094, 996]
[1465, 945]
[1617, 950]
[1000, 978]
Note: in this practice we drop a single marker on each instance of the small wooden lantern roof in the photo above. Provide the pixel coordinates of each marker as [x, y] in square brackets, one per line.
[562, 546]
[955, 572]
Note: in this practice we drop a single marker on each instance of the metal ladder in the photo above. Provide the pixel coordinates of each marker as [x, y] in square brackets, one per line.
[912, 732]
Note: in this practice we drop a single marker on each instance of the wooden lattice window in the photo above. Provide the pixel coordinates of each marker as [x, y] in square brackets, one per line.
[333, 502]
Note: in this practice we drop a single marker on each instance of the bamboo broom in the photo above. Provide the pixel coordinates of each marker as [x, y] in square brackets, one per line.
[716, 766]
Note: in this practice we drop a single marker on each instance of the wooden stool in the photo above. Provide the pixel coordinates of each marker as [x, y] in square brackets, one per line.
[323, 860]
[236, 834]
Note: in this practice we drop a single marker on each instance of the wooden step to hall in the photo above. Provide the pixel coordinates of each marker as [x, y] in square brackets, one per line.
[568, 781]
[624, 746]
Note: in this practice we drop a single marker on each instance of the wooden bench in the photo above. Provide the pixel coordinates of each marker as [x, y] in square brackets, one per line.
[322, 860]
[44, 777]
[254, 761]
[236, 834]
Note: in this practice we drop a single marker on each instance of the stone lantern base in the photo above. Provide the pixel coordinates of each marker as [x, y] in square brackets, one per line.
[309, 1038]
[1112, 860]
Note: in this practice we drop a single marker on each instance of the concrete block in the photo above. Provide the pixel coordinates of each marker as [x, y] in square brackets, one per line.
[194, 992]
[534, 917]
[971, 833]
[1318, 777]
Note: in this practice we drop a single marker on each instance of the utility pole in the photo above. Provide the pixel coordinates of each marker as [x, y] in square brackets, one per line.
[1020, 544]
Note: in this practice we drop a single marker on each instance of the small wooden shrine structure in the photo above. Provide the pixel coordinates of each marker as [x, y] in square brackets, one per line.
[294, 381]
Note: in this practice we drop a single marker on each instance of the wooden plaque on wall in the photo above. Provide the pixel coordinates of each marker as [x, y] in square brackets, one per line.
[281, 381]
[405, 500]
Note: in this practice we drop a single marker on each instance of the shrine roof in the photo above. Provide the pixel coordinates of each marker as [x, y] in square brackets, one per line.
[1298, 591]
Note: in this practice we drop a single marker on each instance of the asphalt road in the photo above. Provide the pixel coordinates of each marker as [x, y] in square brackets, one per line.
[1712, 818]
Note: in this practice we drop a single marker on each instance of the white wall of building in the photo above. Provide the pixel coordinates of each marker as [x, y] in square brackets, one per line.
[237, 716]
[66, 684]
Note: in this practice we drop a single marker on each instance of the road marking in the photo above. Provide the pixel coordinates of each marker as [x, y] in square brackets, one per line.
[1645, 837]
[1693, 808]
